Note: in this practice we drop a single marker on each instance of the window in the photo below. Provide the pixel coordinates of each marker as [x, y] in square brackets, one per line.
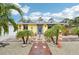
[25, 26]
[49, 26]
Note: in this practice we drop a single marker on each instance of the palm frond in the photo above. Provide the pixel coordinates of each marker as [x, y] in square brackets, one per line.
[24, 33]
[0, 27]
[13, 23]
[5, 16]
[15, 7]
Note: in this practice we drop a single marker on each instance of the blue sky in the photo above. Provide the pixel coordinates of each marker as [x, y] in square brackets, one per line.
[47, 9]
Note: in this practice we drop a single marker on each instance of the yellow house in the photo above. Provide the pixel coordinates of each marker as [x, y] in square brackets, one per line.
[37, 26]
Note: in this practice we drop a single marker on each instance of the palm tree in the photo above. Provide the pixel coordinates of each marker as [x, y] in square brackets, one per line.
[54, 31]
[56, 28]
[76, 21]
[21, 34]
[6, 16]
[28, 34]
[24, 34]
[49, 34]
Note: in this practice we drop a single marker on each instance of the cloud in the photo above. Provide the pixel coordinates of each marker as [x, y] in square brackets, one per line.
[25, 17]
[36, 14]
[14, 12]
[25, 9]
[47, 14]
[33, 18]
[66, 13]
[46, 18]
[71, 13]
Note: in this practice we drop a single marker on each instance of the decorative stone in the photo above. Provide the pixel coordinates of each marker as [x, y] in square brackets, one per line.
[24, 45]
[44, 46]
[35, 46]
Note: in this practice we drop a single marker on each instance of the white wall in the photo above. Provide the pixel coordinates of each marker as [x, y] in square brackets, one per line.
[11, 34]
[11, 30]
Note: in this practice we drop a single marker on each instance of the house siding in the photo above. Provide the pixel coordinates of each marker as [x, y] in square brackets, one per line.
[32, 27]
[45, 27]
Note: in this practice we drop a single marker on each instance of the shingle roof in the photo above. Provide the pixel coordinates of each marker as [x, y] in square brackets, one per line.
[50, 21]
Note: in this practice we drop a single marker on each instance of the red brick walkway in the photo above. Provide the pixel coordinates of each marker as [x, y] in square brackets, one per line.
[40, 48]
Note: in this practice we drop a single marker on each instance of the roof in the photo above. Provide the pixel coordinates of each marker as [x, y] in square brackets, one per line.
[42, 23]
[50, 21]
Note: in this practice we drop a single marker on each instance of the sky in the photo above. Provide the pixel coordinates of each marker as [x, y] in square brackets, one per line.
[57, 11]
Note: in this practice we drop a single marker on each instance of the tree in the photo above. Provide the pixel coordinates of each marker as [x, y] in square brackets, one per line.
[56, 28]
[66, 20]
[21, 34]
[75, 30]
[25, 34]
[28, 34]
[25, 20]
[49, 34]
[22, 20]
[40, 19]
[6, 16]
[71, 23]
[76, 21]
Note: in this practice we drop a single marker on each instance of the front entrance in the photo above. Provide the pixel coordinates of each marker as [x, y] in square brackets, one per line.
[40, 36]
[39, 29]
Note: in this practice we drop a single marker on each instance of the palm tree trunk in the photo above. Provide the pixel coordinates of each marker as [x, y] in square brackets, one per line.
[52, 40]
[27, 39]
[78, 35]
[23, 40]
[57, 36]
